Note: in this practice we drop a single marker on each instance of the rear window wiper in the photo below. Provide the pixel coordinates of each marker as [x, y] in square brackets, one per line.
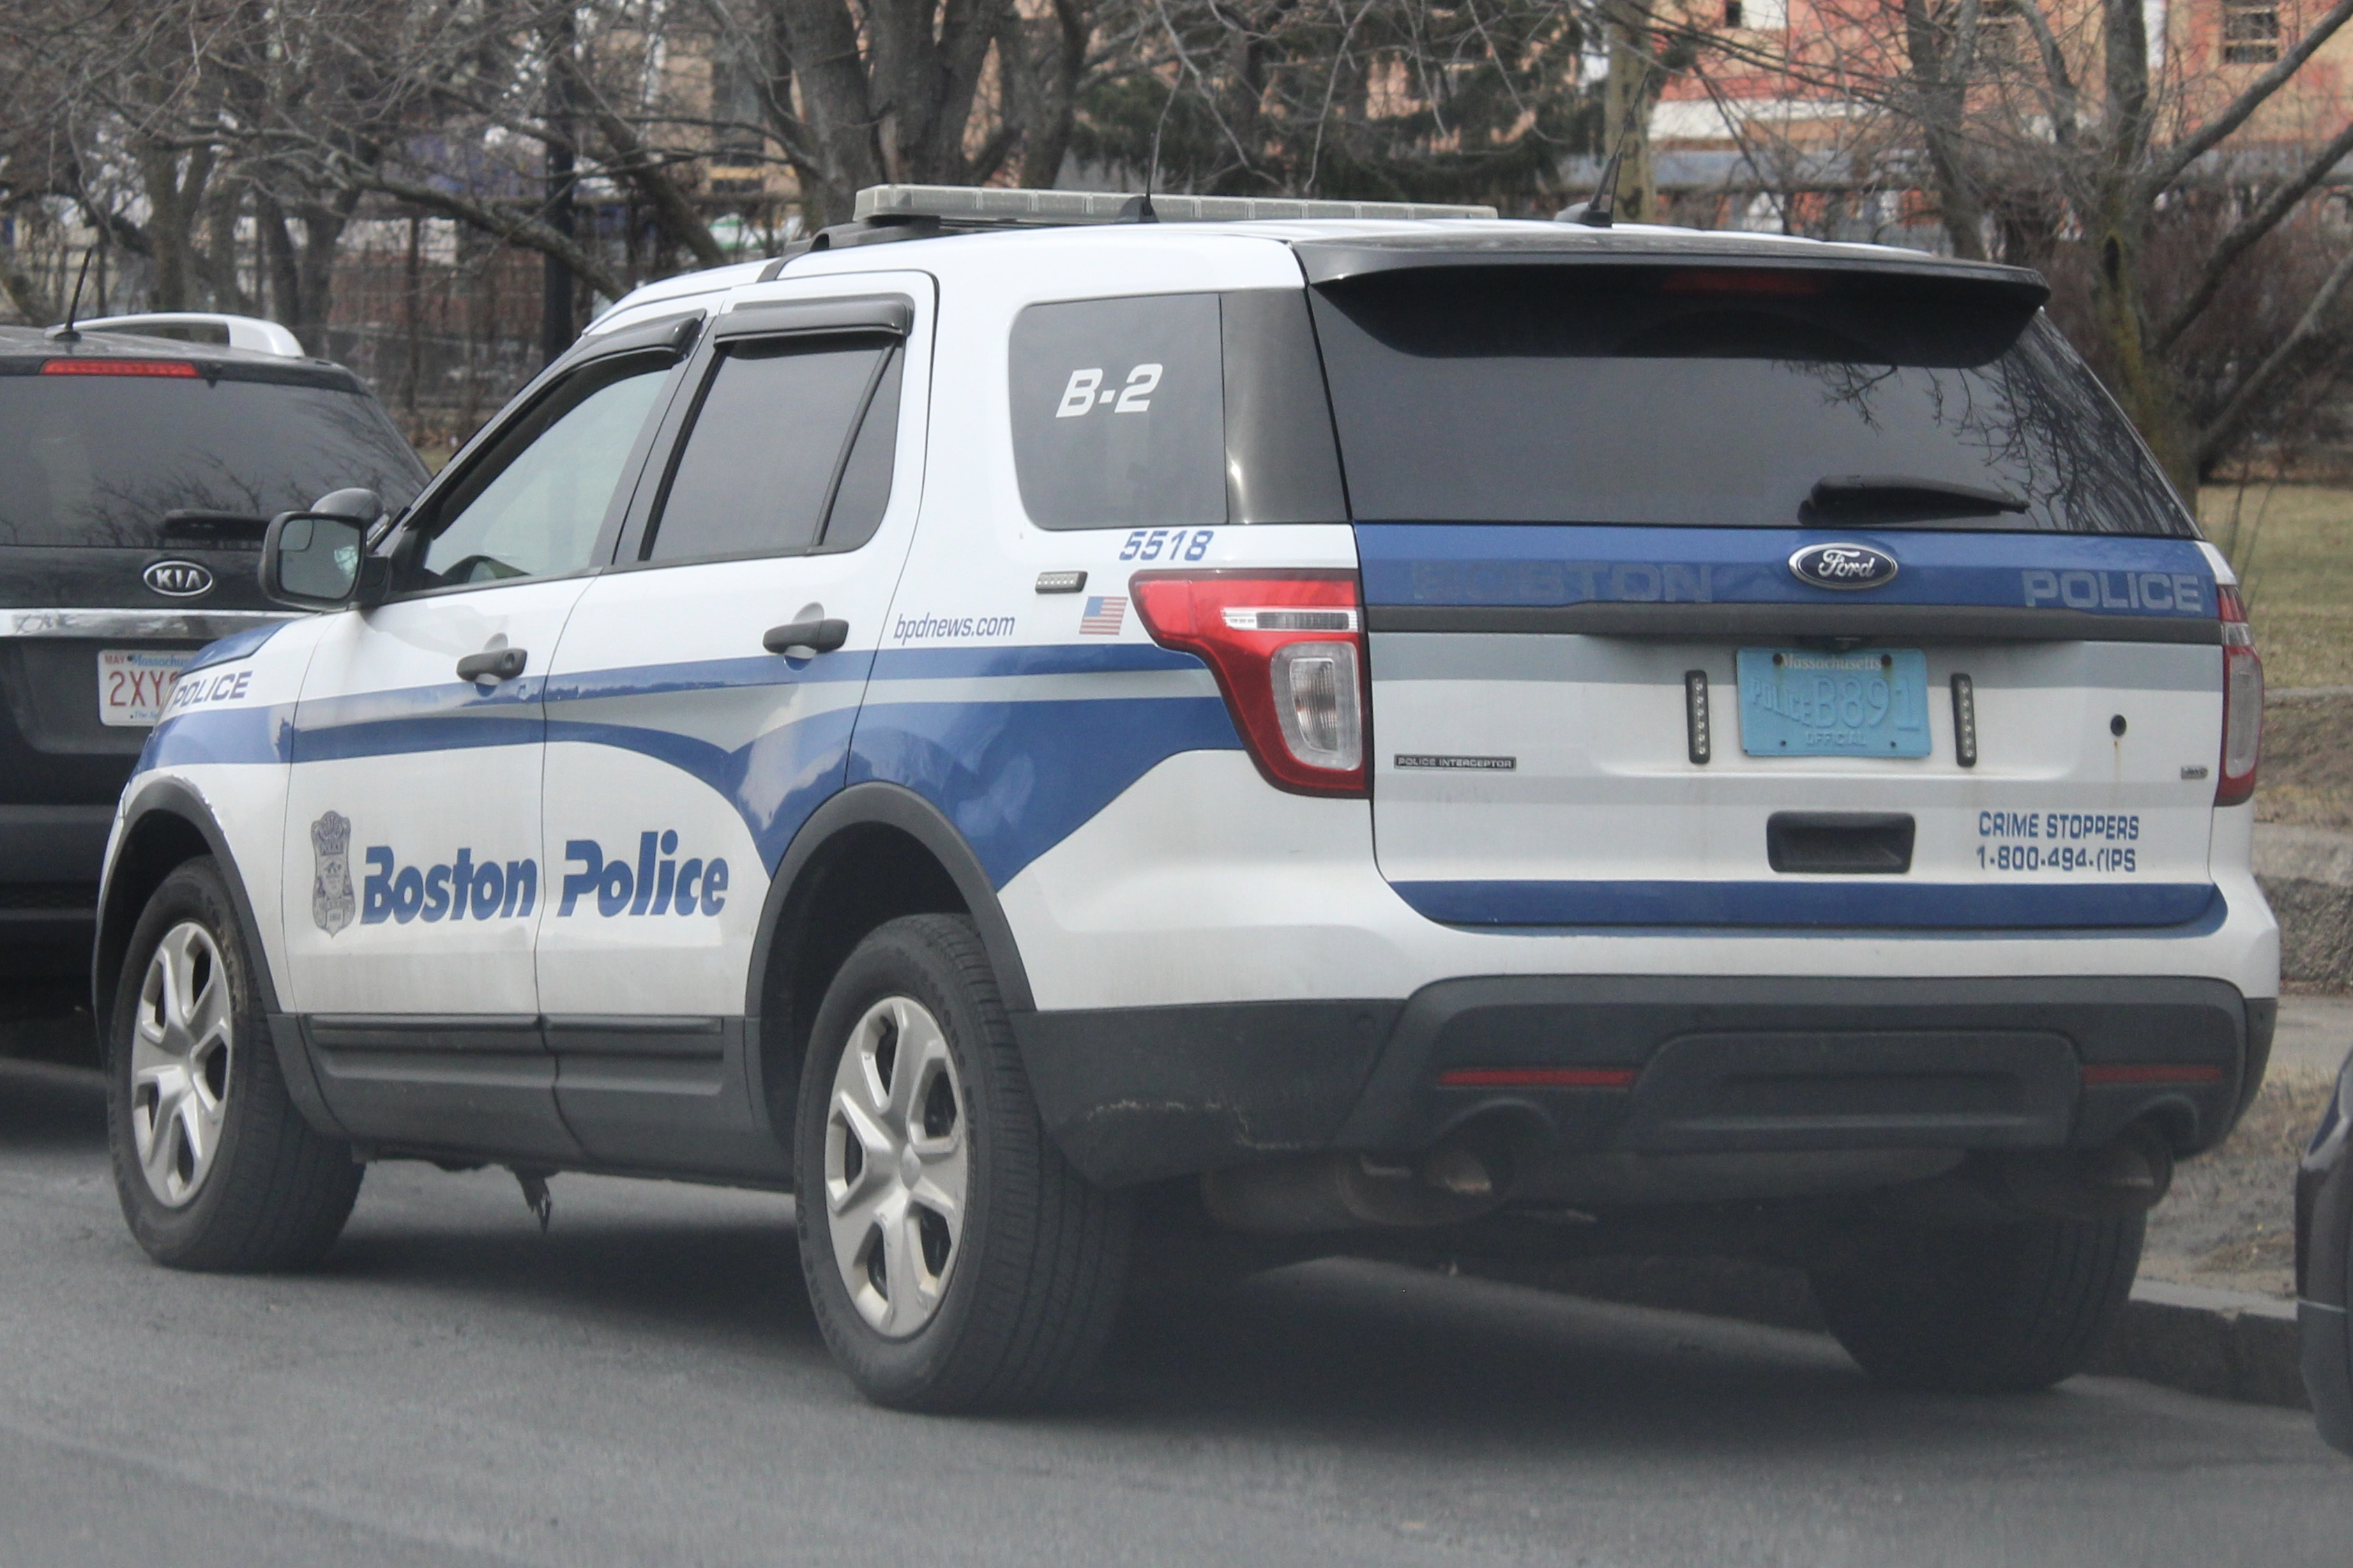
[1902, 497]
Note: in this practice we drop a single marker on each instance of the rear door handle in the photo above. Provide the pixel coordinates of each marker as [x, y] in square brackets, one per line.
[818, 636]
[493, 664]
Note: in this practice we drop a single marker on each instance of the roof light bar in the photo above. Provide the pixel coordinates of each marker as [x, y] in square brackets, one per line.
[998, 205]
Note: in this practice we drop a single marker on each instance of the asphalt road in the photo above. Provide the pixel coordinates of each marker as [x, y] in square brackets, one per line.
[643, 1385]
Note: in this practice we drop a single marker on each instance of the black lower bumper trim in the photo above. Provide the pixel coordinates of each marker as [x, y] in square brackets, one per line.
[1132, 1094]
[1718, 1065]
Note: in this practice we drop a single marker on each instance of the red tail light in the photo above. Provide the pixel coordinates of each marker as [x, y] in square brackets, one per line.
[2242, 702]
[178, 367]
[1289, 651]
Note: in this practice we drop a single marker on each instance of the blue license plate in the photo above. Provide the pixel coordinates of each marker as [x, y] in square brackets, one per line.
[1802, 702]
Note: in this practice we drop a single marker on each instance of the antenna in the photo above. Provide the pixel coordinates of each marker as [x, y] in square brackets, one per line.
[1597, 209]
[64, 332]
[1141, 212]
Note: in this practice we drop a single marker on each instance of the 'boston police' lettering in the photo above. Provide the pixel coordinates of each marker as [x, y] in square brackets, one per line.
[655, 886]
[456, 892]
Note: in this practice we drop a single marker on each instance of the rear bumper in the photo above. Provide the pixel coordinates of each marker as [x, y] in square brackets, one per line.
[50, 856]
[1655, 1063]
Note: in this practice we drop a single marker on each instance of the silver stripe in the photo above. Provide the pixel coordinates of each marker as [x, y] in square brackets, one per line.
[1105, 686]
[727, 717]
[207, 625]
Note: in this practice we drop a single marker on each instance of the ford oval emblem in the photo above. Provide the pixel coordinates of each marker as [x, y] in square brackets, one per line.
[1843, 566]
[178, 579]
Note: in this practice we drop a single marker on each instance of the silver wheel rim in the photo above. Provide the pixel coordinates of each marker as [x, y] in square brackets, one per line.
[181, 1053]
[896, 1162]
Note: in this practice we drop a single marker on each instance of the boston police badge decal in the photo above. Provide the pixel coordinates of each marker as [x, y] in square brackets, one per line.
[332, 902]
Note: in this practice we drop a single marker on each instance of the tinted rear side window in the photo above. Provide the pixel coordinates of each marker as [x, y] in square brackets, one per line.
[770, 439]
[1687, 396]
[1119, 413]
[101, 459]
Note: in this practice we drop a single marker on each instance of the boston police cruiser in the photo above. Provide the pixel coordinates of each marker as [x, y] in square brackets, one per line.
[1320, 725]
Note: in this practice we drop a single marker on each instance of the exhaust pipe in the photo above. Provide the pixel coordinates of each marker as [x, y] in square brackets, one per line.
[1458, 1180]
[2130, 1174]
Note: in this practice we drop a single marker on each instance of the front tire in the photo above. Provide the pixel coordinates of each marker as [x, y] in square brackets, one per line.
[1981, 1310]
[954, 1260]
[215, 1167]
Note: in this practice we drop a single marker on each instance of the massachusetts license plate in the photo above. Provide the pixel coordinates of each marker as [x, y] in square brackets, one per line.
[1802, 702]
[133, 682]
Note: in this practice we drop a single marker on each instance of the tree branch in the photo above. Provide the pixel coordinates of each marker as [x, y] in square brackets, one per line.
[2216, 437]
[632, 162]
[529, 233]
[2246, 232]
[2209, 135]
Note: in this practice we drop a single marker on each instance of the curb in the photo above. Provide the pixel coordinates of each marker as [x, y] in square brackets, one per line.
[2306, 874]
[2222, 1344]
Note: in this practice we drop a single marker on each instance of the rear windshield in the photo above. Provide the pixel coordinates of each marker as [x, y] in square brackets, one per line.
[126, 461]
[1720, 396]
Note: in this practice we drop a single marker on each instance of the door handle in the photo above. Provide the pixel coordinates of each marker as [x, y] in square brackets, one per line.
[819, 637]
[493, 664]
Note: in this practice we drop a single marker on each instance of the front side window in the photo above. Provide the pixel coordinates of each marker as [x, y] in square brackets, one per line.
[1119, 415]
[787, 433]
[535, 506]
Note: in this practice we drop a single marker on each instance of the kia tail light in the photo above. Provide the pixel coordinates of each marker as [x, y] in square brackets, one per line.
[1288, 649]
[2243, 703]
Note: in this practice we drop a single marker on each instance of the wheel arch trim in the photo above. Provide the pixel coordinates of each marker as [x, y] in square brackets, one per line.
[117, 917]
[874, 803]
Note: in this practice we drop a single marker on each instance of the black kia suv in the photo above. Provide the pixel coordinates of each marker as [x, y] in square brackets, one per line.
[137, 476]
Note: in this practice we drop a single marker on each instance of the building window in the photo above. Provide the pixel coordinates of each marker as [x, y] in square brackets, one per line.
[2250, 32]
[1732, 14]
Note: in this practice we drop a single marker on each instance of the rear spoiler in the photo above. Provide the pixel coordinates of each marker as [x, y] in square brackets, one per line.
[1337, 260]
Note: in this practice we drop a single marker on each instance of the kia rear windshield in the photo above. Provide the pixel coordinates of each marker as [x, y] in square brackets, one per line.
[141, 461]
[1725, 396]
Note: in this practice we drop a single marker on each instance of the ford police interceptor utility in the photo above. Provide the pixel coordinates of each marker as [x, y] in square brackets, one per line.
[1336, 724]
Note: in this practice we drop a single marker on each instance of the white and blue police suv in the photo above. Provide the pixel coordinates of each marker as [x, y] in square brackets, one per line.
[1313, 722]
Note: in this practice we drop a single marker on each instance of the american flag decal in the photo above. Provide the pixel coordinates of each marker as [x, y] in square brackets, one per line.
[1102, 616]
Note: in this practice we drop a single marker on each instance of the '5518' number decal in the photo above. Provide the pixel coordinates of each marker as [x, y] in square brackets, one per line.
[1167, 544]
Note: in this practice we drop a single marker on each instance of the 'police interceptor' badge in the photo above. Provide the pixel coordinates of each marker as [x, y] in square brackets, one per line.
[333, 901]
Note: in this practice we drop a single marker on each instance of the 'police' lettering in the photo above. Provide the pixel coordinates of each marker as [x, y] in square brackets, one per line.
[655, 885]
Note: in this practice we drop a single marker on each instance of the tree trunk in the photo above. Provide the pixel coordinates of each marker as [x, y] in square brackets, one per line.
[1940, 76]
[2137, 374]
[1626, 97]
[171, 205]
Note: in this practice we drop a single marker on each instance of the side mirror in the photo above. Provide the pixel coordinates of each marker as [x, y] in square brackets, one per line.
[312, 560]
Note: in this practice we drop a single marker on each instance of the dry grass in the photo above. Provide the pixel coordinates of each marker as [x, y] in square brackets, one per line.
[2292, 548]
[2229, 1220]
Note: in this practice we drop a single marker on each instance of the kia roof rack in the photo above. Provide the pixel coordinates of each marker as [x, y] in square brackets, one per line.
[237, 332]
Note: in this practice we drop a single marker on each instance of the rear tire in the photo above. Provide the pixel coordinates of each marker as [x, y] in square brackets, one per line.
[955, 1261]
[215, 1167]
[1981, 1310]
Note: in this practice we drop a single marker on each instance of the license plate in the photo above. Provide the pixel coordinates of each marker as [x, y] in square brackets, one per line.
[1802, 702]
[132, 684]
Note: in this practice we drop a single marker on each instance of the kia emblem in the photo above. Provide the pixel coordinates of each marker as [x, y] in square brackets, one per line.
[1843, 566]
[178, 579]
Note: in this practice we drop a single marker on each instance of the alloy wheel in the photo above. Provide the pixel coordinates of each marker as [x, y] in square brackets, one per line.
[896, 1166]
[182, 1048]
